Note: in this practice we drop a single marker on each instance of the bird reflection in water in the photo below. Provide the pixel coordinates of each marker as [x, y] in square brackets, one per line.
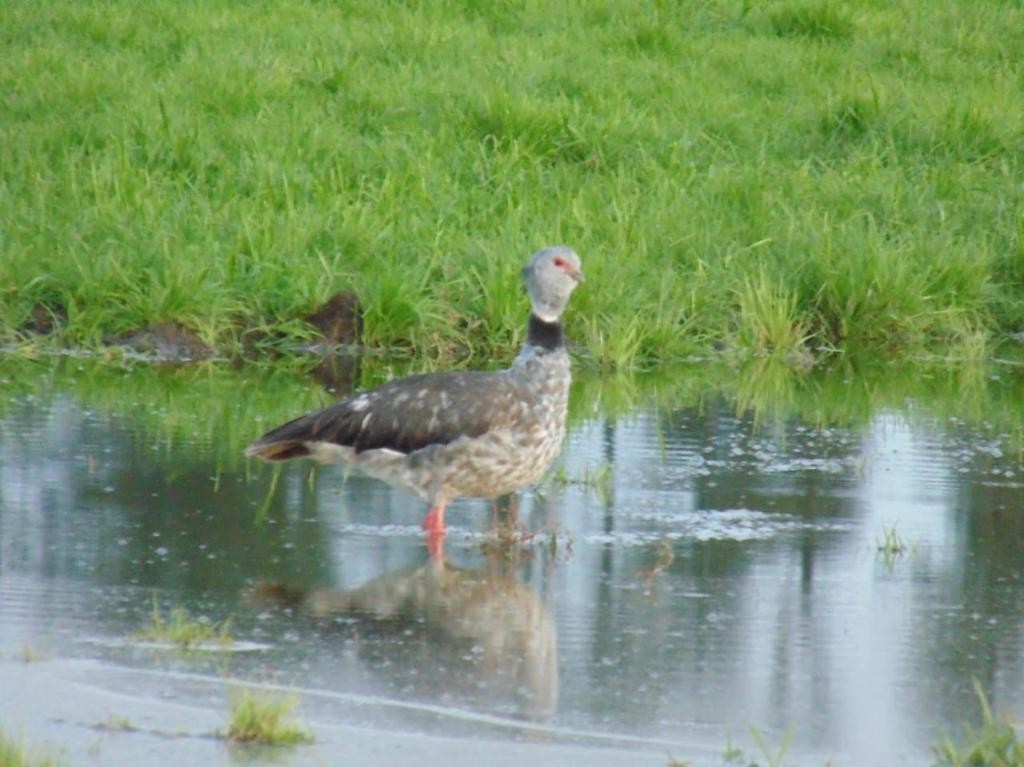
[463, 637]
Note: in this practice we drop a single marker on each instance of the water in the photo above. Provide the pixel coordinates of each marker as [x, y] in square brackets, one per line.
[706, 561]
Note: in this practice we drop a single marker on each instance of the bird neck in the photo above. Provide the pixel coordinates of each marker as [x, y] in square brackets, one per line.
[544, 335]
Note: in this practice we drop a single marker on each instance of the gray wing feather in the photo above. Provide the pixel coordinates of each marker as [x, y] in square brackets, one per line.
[404, 415]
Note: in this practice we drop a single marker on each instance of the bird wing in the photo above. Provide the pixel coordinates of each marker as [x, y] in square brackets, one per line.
[403, 415]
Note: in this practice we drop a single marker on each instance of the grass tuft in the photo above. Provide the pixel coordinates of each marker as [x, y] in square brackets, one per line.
[850, 117]
[16, 754]
[892, 545]
[769, 320]
[183, 631]
[260, 719]
[733, 756]
[995, 743]
[815, 20]
[599, 480]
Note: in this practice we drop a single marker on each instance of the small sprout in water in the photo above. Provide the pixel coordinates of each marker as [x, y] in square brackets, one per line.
[183, 631]
[115, 723]
[507, 541]
[265, 720]
[891, 544]
[665, 557]
[597, 480]
[555, 544]
[557, 479]
[731, 754]
[774, 757]
[734, 756]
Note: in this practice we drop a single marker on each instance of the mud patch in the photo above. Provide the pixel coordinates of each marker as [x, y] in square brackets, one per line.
[339, 322]
[166, 341]
[44, 319]
[339, 319]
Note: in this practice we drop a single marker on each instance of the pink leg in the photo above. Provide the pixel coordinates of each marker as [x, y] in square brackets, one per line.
[435, 545]
[434, 521]
[433, 524]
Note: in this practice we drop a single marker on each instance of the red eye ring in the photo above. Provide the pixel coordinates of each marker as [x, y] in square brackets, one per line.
[560, 262]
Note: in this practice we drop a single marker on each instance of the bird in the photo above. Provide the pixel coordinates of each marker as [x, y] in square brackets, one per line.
[456, 434]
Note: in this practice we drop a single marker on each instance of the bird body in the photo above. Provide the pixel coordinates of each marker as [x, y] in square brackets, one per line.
[456, 434]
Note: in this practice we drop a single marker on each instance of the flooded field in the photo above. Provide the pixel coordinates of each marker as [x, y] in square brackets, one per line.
[829, 562]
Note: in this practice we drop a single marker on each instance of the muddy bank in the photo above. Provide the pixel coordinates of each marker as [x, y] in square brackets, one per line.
[335, 324]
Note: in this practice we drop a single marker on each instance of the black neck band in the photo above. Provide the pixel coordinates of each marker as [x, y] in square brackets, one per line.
[544, 335]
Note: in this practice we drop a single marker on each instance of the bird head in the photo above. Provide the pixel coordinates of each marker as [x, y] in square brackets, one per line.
[550, 276]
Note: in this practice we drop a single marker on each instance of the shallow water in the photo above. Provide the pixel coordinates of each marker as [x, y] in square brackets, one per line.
[702, 564]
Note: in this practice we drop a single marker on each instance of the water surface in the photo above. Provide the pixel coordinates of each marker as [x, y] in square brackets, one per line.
[705, 559]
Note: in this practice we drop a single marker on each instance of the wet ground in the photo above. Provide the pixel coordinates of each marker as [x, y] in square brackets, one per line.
[832, 562]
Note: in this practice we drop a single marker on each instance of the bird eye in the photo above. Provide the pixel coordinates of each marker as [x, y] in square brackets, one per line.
[560, 262]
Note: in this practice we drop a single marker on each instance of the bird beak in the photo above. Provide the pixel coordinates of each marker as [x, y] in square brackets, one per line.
[576, 274]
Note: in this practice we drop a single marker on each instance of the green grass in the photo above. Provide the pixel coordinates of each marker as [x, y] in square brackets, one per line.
[768, 321]
[997, 742]
[774, 756]
[265, 720]
[16, 754]
[183, 631]
[753, 176]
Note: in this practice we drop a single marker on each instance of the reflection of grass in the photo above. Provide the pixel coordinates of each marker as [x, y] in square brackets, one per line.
[183, 631]
[16, 754]
[29, 654]
[219, 410]
[597, 480]
[996, 743]
[265, 720]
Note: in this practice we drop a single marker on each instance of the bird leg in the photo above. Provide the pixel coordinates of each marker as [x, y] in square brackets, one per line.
[434, 521]
[435, 546]
[433, 525]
